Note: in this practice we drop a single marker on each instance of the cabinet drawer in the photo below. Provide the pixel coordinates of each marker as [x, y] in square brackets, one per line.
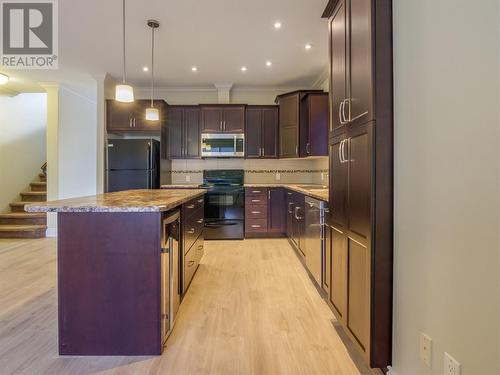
[256, 200]
[193, 205]
[198, 247]
[256, 225]
[255, 212]
[256, 192]
[193, 226]
[190, 264]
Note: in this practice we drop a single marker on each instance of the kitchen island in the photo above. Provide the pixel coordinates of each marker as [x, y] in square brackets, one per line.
[111, 283]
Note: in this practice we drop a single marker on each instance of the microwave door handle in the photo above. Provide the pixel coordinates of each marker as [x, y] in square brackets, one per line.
[234, 145]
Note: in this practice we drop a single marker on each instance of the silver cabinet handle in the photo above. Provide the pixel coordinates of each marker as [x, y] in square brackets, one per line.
[346, 118]
[297, 150]
[199, 221]
[256, 226]
[134, 122]
[220, 125]
[296, 210]
[255, 200]
[191, 231]
[308, 148]
[200, 200]
[340, 151]
[255, 212]
[290, 204]
[341, 104]
[191, 206]
[256, 191]
[269, 194]
[130, 123]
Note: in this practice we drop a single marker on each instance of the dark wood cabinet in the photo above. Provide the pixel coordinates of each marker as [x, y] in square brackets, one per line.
[361, 173]
[130, 117]
[276, 211]
[183, 126]
[302, 116]
[314, 114]
[229, 118]
[264, 212]
[295, 219]
[261, 132]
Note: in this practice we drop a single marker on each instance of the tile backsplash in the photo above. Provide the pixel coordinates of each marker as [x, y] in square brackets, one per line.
[256, 171]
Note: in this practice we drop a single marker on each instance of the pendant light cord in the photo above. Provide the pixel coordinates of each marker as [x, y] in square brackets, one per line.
[124, 69]
[152, 63]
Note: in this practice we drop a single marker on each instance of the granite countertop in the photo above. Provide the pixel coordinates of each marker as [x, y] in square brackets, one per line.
[143, 200]
[181, 186]
[314, 191]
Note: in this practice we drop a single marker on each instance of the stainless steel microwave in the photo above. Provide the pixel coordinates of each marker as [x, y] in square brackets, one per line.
[223, 145]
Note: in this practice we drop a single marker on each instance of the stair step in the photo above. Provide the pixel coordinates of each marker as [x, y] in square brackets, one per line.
[23, 218]
[22, 231]
[18, 206]
[43, 177]
[39, 186]
[34, 196]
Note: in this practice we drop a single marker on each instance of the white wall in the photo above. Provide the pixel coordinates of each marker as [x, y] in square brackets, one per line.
[22, 144]
[447, 203]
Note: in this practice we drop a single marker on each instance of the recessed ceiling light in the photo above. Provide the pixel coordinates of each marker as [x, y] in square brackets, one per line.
[269, 63]
[277, 25]
[243, 68]
[308, 46]
[4, 78]
[145, 69]
[194, 69]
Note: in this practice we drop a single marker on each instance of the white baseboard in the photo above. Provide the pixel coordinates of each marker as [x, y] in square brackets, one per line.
[51, 232]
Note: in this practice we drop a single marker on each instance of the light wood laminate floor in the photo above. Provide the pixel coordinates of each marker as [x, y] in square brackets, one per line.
[251, 309]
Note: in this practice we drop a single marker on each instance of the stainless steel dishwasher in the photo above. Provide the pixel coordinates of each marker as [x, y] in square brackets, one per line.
[170, 286]
[314, 219]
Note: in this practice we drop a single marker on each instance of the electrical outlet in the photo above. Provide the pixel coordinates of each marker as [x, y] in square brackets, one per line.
[425, 349]
[278, 176]
[188, 178]
[451, 366]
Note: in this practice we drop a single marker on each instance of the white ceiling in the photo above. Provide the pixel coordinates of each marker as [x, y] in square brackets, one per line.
[217, 36]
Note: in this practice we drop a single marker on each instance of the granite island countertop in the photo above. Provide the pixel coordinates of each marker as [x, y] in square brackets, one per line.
[140, 200]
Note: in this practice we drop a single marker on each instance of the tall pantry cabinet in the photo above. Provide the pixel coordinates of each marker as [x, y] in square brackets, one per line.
[361, 173]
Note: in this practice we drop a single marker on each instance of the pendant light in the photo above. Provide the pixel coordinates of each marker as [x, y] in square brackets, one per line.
[124, 93]
[152, 113]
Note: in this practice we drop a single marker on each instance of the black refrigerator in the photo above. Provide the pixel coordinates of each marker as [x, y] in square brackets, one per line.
[133, 164]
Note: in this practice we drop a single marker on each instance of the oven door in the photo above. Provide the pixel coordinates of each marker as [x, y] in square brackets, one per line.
[224, 212]
[223, 145]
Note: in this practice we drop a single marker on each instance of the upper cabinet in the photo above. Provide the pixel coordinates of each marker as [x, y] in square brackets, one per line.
[303, 116]
[223, 118]
[183, 129]
[131, 117]
[351, 65]
[261, 132]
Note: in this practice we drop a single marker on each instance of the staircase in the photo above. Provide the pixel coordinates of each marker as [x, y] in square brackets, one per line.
[21, 224]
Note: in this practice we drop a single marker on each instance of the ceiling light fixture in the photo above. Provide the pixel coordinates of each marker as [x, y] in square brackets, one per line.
[308, 46]
[124, 93]
[4, 78]
[194, 69]
[277, 25]
[269, 63]
[145, 69]
[243, 68]
[152, 113]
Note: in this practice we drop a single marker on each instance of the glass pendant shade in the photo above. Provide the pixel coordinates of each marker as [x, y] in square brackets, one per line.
[124, 93]
[152, 114]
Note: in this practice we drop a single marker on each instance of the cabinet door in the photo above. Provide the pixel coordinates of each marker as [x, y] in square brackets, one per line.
[289, 214]
[358, 305]
[360, 62]
[119, 116]
[338, 181]
[289, 126]
[317, 121]
[301, 222]
[327, 260]
[234, 119]
[276, 211]
[211, 119]
[270, 124]
[253, 133]
[192, 132]
[359, 147]
[338, 289]
[175, 132]
[140, 122]
[338, 67]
